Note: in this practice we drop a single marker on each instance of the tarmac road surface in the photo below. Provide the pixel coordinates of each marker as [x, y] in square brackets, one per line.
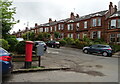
[84, 67]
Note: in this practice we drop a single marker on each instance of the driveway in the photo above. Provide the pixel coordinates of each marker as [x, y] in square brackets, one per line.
[84, 67]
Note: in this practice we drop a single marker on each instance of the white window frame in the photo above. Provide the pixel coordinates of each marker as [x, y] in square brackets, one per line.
[85, 24]
[78, 36]
[51, 29]
[113, 24]
[59, 26]
[99, 34]
[99, 22]
[77, 26]
[70, 26]
[94, 22]
[55, 28]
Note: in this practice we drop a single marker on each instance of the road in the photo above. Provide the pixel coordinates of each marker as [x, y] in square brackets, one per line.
[84, 68]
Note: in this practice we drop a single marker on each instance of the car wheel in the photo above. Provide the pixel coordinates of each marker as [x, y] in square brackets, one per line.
[105, 54]
[85, 51]
[52, 46]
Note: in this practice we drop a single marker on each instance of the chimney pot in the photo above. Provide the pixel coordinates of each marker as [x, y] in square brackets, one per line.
[50, 20]
[36, 24]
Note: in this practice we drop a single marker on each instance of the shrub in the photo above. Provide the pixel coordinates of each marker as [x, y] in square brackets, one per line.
[4, 44]
[20, 47]
[62, 42]
[116, 47]
[12, 42]
[70, 41]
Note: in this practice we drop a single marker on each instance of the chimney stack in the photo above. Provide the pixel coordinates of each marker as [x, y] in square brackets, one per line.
[72, 15]
[36, 25]
[50, 20]
[77, 16]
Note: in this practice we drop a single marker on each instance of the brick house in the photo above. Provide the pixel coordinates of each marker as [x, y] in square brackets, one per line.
[103, 25]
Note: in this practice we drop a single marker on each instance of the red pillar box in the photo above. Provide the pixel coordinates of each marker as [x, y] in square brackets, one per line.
[28, 52]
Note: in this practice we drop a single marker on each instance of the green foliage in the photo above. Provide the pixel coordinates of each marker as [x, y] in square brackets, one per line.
[29, 36]
[4, 44]
[20, 47]
[6, 15]
[116, 47]
[80, 44]
[62, 42]
[70, 41]
[12, 42]
[43, 36]
[56, 34]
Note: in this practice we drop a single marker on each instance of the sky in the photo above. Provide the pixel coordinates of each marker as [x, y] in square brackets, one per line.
[30, 12]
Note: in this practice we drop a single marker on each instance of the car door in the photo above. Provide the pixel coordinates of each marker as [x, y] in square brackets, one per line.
[93, 49]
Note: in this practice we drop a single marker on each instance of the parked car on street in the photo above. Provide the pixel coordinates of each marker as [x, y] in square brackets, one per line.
[105, 50]
[42, 43]
[53, 44]
[6, 65]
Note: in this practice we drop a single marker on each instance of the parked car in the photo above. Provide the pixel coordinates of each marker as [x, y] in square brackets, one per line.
[105, 50]
[53, 44]
[42, 43]
[6, 62]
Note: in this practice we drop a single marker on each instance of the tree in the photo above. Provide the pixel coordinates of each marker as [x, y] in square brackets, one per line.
[6, 17]
[56, 34]
[29, 36]
[43, 36]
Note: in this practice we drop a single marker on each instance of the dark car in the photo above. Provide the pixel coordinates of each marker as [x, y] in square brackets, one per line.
[53, 44]
[105, 50]
[42, 43]
[6, 62]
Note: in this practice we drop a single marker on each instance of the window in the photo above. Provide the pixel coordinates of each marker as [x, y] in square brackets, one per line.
[113, 24]
[99, 34]
[62, 35]
[118, 23]
[94, 24]
[78, 36]
[85, 24]
[47, 29]
[77, 26]
[51, 29]
[41, 30]
[70, 26]
[61, 26]
[55, 28]
[84, 35]
[118, 37]
[99, 21]
[58, 26]
[112, 38]
[94, 34]
[70, 35]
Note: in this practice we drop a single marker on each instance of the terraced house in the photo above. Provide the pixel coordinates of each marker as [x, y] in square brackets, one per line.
[104, 24]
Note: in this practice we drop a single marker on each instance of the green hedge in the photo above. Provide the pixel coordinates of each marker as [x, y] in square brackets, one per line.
[20, 47]
[62, 42]
[4, 44]
[12, 42]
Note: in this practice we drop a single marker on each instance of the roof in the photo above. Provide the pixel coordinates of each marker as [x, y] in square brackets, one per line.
[101, 13]
[115, 14]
